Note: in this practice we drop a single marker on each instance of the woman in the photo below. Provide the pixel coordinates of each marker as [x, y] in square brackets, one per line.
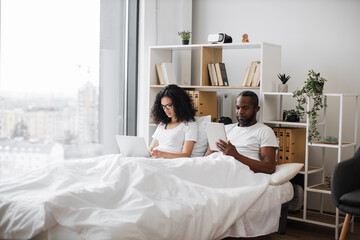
[176, 133]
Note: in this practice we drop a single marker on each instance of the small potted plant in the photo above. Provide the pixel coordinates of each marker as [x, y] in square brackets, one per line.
[185, 36]
[283, 87]
[290, 116]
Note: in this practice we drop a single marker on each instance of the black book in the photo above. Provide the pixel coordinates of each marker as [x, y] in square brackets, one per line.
[224, 74]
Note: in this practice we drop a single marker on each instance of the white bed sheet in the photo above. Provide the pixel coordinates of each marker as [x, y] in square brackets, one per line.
[136, 198]
[256, 216]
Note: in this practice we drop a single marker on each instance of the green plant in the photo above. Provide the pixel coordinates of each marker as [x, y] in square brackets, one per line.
[313, 90]
[283, 78]
[290, 116]
[185, 35]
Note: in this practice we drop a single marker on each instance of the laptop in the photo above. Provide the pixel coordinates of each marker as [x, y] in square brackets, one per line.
[132, 146]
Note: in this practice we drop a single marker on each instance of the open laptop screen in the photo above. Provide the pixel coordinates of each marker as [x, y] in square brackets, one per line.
[132, 146]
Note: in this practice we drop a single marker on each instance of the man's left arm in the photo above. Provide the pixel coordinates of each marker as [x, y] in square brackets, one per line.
[268, 155]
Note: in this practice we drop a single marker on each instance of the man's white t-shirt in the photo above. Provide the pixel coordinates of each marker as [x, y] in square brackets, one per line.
[172, 140]
[249, 140]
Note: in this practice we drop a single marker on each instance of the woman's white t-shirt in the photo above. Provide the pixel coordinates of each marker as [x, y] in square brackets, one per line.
[172, 140]
[249, 140]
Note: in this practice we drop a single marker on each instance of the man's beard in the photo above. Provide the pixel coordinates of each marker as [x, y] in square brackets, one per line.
[247, 121]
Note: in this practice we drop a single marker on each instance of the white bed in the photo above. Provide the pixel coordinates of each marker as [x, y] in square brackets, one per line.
[112, 197]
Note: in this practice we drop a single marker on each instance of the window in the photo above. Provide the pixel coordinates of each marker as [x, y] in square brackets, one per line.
[57, 57]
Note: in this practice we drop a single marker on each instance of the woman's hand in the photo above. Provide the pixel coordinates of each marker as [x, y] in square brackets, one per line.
[153, 145]
[157, 153]
[186, 151]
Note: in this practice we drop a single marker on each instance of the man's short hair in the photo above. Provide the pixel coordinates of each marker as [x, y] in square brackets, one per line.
[253, 97]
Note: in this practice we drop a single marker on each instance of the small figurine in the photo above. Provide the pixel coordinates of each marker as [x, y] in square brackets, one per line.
[245, 38]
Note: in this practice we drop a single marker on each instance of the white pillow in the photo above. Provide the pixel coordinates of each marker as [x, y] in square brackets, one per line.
[201, 145]
[285, 172]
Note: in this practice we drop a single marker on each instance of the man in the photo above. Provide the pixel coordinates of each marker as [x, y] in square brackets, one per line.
[249, 142]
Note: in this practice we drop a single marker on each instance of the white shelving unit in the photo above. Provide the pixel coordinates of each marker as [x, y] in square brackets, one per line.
[236, 56]
[274, 101]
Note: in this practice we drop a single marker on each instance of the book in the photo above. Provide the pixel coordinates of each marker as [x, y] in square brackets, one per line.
[211, 76]
[281, 151]
[224, 74]
[257, 84]
[191, 95]
[168, 73]
[251, 74]
[294, 150]
[218, 74]
[276, 132]
[160, 74]
[196, 102]
[243, 83]
[213, 69]
[214, 132]
[205, 102]
[256, 79]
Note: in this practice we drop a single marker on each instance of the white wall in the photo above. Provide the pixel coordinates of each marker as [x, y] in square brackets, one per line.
[323, 35]
[160, 21]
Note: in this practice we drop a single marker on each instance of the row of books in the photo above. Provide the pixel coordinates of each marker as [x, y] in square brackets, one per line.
[205, 103]
[251, 77]
[217, 74]
[291, 145]
[166, 74]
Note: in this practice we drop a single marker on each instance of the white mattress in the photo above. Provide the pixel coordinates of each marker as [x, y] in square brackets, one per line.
[264, 213]
[268, 221]
[287, 192]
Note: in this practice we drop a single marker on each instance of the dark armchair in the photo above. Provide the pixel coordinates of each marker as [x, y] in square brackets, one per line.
[345, 189]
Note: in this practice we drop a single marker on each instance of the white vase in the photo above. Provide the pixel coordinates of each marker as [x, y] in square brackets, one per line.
[283, 87]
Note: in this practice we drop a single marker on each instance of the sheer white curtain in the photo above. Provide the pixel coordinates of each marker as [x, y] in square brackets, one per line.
[112, 72]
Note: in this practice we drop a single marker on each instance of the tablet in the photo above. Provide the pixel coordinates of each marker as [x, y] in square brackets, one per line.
[215, 131]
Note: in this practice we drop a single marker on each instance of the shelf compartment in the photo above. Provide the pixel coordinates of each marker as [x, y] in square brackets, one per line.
[327, 220]
[311, 170]
[278, 93]
[300, 124]
[208, 55]
[320, 188]
[206, 87]
[325, 94]
[331, 145]
[221, 46]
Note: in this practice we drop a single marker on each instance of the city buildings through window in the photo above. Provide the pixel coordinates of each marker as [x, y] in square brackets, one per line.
[49, 82]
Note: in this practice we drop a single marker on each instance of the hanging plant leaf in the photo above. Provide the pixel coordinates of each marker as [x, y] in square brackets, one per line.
[313, 88]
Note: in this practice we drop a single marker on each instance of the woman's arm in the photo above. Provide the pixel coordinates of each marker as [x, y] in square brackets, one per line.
[153, 144]
[186, 151]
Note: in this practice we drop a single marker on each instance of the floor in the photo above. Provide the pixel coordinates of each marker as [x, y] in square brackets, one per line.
[297, 230]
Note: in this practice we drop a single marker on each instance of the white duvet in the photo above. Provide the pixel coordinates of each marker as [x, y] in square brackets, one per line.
[112, 197]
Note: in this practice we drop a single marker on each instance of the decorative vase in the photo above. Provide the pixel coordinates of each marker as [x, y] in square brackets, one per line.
[185, 41]
[283, 87]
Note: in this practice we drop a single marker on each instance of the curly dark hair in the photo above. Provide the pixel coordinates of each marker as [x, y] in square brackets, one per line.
[182, 103]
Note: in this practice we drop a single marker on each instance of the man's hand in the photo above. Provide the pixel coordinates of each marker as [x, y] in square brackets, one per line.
[266, 165]
[227, 148]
